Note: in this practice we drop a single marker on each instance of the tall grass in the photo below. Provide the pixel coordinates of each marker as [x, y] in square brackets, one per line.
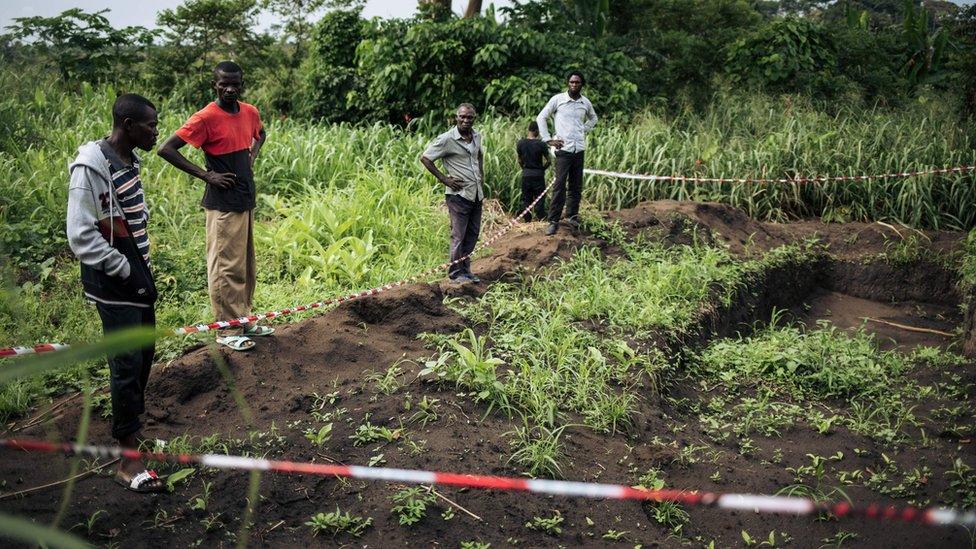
[758, 137]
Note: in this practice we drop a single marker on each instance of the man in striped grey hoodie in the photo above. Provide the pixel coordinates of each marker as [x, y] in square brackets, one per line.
[107, 222]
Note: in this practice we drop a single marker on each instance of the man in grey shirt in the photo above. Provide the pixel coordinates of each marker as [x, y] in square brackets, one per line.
[459, 150]
[574, 117]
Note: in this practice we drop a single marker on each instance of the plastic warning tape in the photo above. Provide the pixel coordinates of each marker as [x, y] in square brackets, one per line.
[797, 179]
[785, 505]
[44, 348]
[237, 322]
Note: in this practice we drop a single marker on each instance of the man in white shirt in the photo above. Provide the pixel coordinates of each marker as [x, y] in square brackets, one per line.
[573, 117]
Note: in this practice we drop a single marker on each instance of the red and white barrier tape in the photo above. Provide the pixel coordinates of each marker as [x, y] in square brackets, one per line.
[798, 179]
[15, 351]
[788, 505]
[44, 348]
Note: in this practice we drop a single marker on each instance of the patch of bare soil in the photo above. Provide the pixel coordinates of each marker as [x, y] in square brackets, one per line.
[326, 364]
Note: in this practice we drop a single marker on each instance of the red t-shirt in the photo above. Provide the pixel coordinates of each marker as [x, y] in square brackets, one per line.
[226, 140]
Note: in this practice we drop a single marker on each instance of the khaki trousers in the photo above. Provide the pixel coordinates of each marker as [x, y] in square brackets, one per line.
[231, 267]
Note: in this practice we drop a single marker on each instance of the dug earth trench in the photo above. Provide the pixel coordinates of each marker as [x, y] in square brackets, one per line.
[357, 369]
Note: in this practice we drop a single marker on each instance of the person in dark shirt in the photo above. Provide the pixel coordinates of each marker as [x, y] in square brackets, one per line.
[231, 134]
[533, 157]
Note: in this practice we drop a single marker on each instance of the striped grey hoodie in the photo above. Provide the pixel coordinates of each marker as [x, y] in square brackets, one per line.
[113, 270]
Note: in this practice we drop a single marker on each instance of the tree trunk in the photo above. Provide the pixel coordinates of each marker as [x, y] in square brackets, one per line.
[473, 10]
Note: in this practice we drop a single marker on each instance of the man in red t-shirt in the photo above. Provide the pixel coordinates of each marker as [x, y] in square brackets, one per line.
[231, 134]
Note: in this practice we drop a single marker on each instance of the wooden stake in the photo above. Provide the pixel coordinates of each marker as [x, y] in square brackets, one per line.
[450, 502]
[52, 484]
[910, 328]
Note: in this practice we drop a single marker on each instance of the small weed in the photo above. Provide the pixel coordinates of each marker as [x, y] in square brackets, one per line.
[338, 522]
[770, 540]
[426, 411]
[321, 436]
[367, 433]
[614, 535]
[538, 450]
[89, 524]
[549, 525]
[475, 545]
[670, 515]
[211, 522]
[962, 485]
[838, 539]
[179, 476]
[816, 470]
[387, 382]
[200, 501]
[411, 505]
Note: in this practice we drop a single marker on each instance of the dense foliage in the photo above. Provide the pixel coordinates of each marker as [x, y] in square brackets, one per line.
[634, 52]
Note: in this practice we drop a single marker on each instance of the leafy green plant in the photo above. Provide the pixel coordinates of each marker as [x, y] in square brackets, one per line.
[387, 382]
[962, 484]
[177, 477]
[473, 366]
[367, 433]
[338, 522]
[817, 472]
[426, 411]
[321, 436]
[411, 505]
[200, 501]
[548, 525]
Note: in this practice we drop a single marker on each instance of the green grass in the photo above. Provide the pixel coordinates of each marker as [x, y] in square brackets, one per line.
[783, 377]
[346, 207]
[575, 345]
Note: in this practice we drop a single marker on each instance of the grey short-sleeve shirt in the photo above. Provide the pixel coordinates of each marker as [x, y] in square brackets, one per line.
[460, 161]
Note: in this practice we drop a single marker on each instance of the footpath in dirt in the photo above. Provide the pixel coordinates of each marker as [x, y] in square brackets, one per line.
[357, 368]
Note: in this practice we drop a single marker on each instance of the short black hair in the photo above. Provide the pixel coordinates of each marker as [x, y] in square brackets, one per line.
[130, 105]
[534, 127]
[228, 67]
[466, 106]
[576, 73]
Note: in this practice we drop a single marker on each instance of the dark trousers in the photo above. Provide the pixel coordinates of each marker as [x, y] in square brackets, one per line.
[465, 228]
[129, 372]
[532, 186]
[568, 166]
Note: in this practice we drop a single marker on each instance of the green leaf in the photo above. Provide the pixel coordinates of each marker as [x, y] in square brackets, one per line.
[173, 479]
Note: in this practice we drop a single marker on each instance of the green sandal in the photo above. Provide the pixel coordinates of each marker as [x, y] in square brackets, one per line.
[253, 330]
[236, 342]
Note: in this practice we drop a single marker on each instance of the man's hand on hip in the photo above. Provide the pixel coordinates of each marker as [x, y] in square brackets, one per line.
[454, 184]
[220, 180]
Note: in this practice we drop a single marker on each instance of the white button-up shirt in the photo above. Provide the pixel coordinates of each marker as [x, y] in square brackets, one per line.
[574, 118]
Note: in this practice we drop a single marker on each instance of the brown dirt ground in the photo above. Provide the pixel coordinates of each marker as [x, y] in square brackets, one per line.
[336, 351]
